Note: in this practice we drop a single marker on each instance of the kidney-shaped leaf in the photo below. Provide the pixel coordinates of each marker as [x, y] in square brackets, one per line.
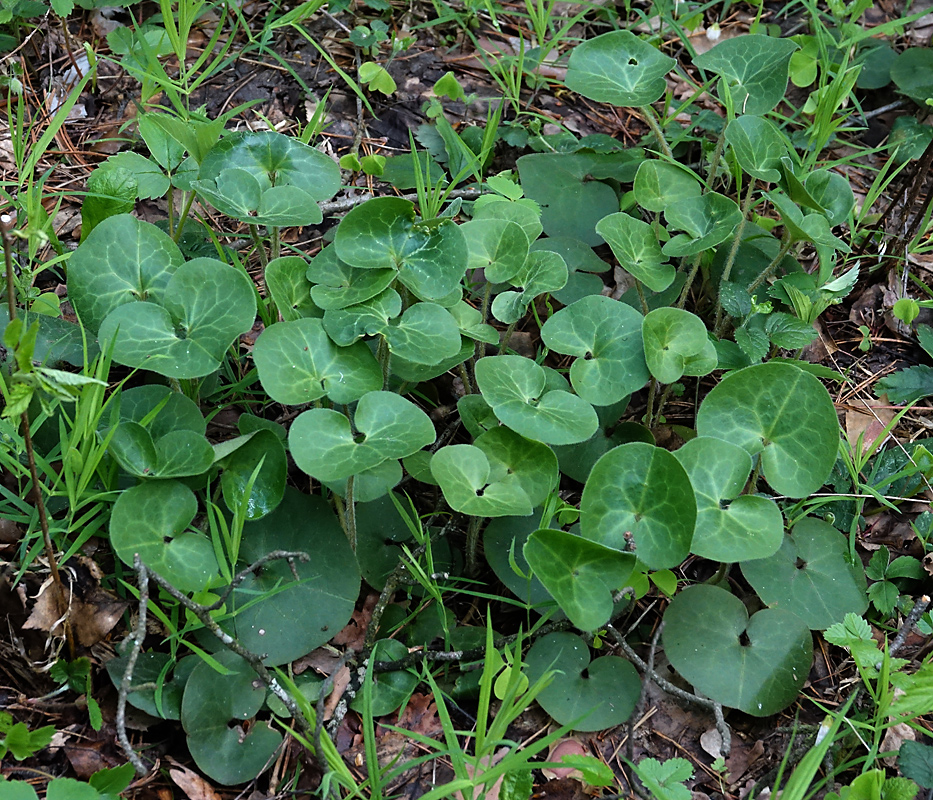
[660, 183]
[636, 246]
[425, 334]
[606, 337]
[501, 474]
[503, 544]
[211, 710]
[753, 67]
[706, 220]
[276, 616]
[325, 447]
[749, 526]
[581, 575]
[123, 260]
[590, 695]
[758, 147]
[640, 493]
[152, 519]
[757, 665]
[497, 246]
[515, 387]
[206, 305]
[298, 363]
[338, 285]
[811, 576]
[390, 689]
[781, 412]
[676, 344]
[618, 68]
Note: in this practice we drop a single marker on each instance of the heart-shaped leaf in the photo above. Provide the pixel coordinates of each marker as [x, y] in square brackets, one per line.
[749, 526]
[576, 460]
[590, 695]
[212, 707]
[757, 665]
[515, 388]
[496, 246]
[811, 576]
[660, 183]
[298, 363]
[205, 306]
[524, 213]
[833, 193]
[758, 147]
[581, 575]
[636, 246]
[501, 474]
[383, 234]
[370, 484]
[289, 288]
[273, 614]
[425, 334]
[618, 68]
[543, 271]
[706, 220]
[152, 519]
[640, 495]
[676, 344]
[389, 426]
[123, 260]
[339, 285]
[781, 412]
[347, 325]
[470, 322]
[152, 668]
[753, 69]
[912, 73]
[412, 372]
[606, 337]
[238, 458]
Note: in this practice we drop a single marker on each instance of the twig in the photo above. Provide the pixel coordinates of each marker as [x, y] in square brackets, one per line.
[347, 203]
[125, 684]
[912, 618]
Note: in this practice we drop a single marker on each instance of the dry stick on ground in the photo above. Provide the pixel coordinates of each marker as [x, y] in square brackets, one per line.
[144, 574]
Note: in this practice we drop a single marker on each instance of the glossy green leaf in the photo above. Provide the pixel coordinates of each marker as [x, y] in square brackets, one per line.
[524, 213]
[782, 413]
[636, 246]
[576, 460]
[289, 288]
[677, 344]
[389, 426]
[641, 493]
[660, 183]
[515, 388]
[205, 306]
[148, 670]
[238, 458]
[833, 192]
[338, 285]
[618, 68]
[347, 325]
[411, 372]
[589, 695]
[470, 322]
[212, 709]
[496, 246]
[273, 614]
[383, 234]
[543, 271]
[753, 67]
[730, 526]
[425, 334]
[811, 576]
[153, 519]
[581, 575]
[756, 664]
[500, 474]
[706, 220]
[606, 337]
[758, 146]
[298, 363]
[370, 484]
[124, 260]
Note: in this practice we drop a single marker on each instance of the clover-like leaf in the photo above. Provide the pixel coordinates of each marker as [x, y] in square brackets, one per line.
[606, 337]
[758, 146]
[782, 413]
[383, 234]
[636, 246]
[747, 527]
[618, 68]
[213, 706]
[756, 664]
[660, 183]
[273, 614]
[581, 575]
[205, 306]
[497, 246]
[676, 344]
[123, 260]
[151, 519]
[298, 363]
[289, 288]
[753, 69]
[706, 220]
[516, 389]
[338, 285]
[589, 695]
[501, 474]
[640, 493]
[324, 445]
[811, 576]
[238, 458]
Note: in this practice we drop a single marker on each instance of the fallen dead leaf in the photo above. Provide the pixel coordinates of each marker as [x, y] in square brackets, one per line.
[868, 422]
[192, 784]
[354, 632]
[569, 746]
